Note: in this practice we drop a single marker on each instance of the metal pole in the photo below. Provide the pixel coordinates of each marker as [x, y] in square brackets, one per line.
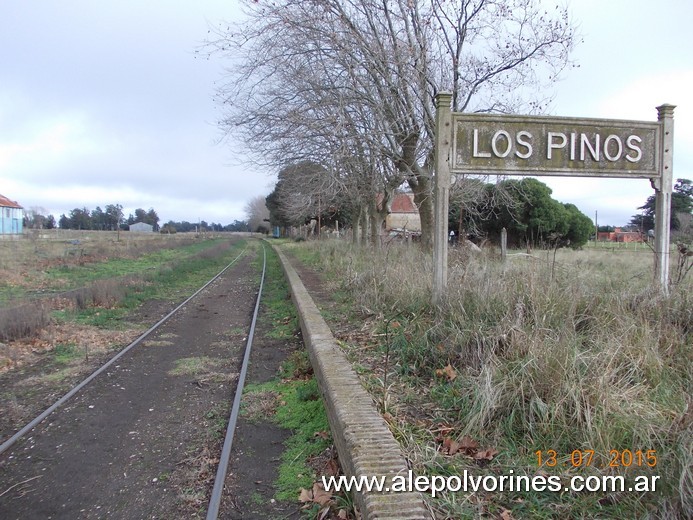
[663, 187]
[441, 166]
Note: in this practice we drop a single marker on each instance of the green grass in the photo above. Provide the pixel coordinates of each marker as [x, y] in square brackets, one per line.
[63, 354]
[68, 277]
[299, 409]
[277, 306]
[293, 395]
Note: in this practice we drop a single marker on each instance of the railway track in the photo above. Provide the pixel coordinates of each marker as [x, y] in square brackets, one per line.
[132, 439]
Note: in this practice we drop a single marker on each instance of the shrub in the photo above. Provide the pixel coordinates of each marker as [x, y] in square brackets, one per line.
[23, 321]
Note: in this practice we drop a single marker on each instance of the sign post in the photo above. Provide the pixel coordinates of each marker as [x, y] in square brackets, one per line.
[441, 187]
[663, 186]
[485, 144]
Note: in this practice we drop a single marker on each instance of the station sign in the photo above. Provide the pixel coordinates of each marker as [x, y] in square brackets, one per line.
[488, 144]
[558, 146]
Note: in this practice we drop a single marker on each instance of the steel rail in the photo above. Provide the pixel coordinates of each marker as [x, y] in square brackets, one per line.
[12, 440]
[215, 498]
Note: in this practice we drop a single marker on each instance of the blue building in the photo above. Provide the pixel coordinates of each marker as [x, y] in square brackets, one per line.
[11, 217]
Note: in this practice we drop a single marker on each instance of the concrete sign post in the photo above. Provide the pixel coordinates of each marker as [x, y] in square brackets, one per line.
[484, 144]
[441, 188]
[663, 186]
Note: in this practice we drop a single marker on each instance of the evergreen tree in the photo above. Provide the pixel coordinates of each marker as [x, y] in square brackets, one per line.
[681, 202]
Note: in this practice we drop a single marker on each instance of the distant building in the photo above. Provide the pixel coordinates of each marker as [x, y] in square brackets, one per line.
[403, 213]
[141, 227]
[11, 217]
[618, 235]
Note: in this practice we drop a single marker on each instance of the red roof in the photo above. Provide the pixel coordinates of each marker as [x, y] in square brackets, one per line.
[404, 203]
[7, 203]
[401, 203]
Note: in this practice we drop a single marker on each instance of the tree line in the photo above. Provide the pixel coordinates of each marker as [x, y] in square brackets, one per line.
[481, 210]
[525, 208]
[201, 226]
[111, 218]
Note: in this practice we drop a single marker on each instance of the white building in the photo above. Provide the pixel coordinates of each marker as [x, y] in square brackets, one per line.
[141, 227]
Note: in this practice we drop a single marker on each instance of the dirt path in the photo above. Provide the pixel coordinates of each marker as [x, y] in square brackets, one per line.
[136, 442]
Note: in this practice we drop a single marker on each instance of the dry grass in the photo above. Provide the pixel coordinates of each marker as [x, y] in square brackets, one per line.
[89, 341]
[28, 293]
[41, 247]
[576, 354]
[22, 321]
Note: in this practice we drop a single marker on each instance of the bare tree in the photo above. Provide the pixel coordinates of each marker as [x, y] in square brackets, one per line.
[36, 217]
[323, 79]
[257, 214]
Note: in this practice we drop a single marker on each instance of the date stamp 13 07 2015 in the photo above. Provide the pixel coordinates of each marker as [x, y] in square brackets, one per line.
[587, 458]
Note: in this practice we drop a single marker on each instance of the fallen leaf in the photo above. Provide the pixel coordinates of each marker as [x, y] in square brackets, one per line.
[320, 496]
[450, 446]
[487, 454]
[332, 468]
[342, 514]
[323, 435]
[468, 444]
[506, 514]
[448, 372]
[305, 496]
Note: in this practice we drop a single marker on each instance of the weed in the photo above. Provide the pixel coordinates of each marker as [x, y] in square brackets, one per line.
[64, 354]
[297, 366]
[277, 305]
[193, 366]
[22, 321]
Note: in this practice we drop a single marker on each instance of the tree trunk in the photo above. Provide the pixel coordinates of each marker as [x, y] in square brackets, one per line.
[356, 228]
[423, 198]
[377, 220]
[365, 225]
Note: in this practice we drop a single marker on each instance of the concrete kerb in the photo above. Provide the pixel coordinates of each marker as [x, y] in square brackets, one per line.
[365, 444]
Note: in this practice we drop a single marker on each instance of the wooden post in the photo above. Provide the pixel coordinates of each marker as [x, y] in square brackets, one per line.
[504, 245]
[441, 166]
[663, 188]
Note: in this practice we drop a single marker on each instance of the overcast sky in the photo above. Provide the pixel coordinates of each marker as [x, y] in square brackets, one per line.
[105, 103]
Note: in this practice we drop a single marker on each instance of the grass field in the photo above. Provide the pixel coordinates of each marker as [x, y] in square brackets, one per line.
[568, 366]
[44, 286]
